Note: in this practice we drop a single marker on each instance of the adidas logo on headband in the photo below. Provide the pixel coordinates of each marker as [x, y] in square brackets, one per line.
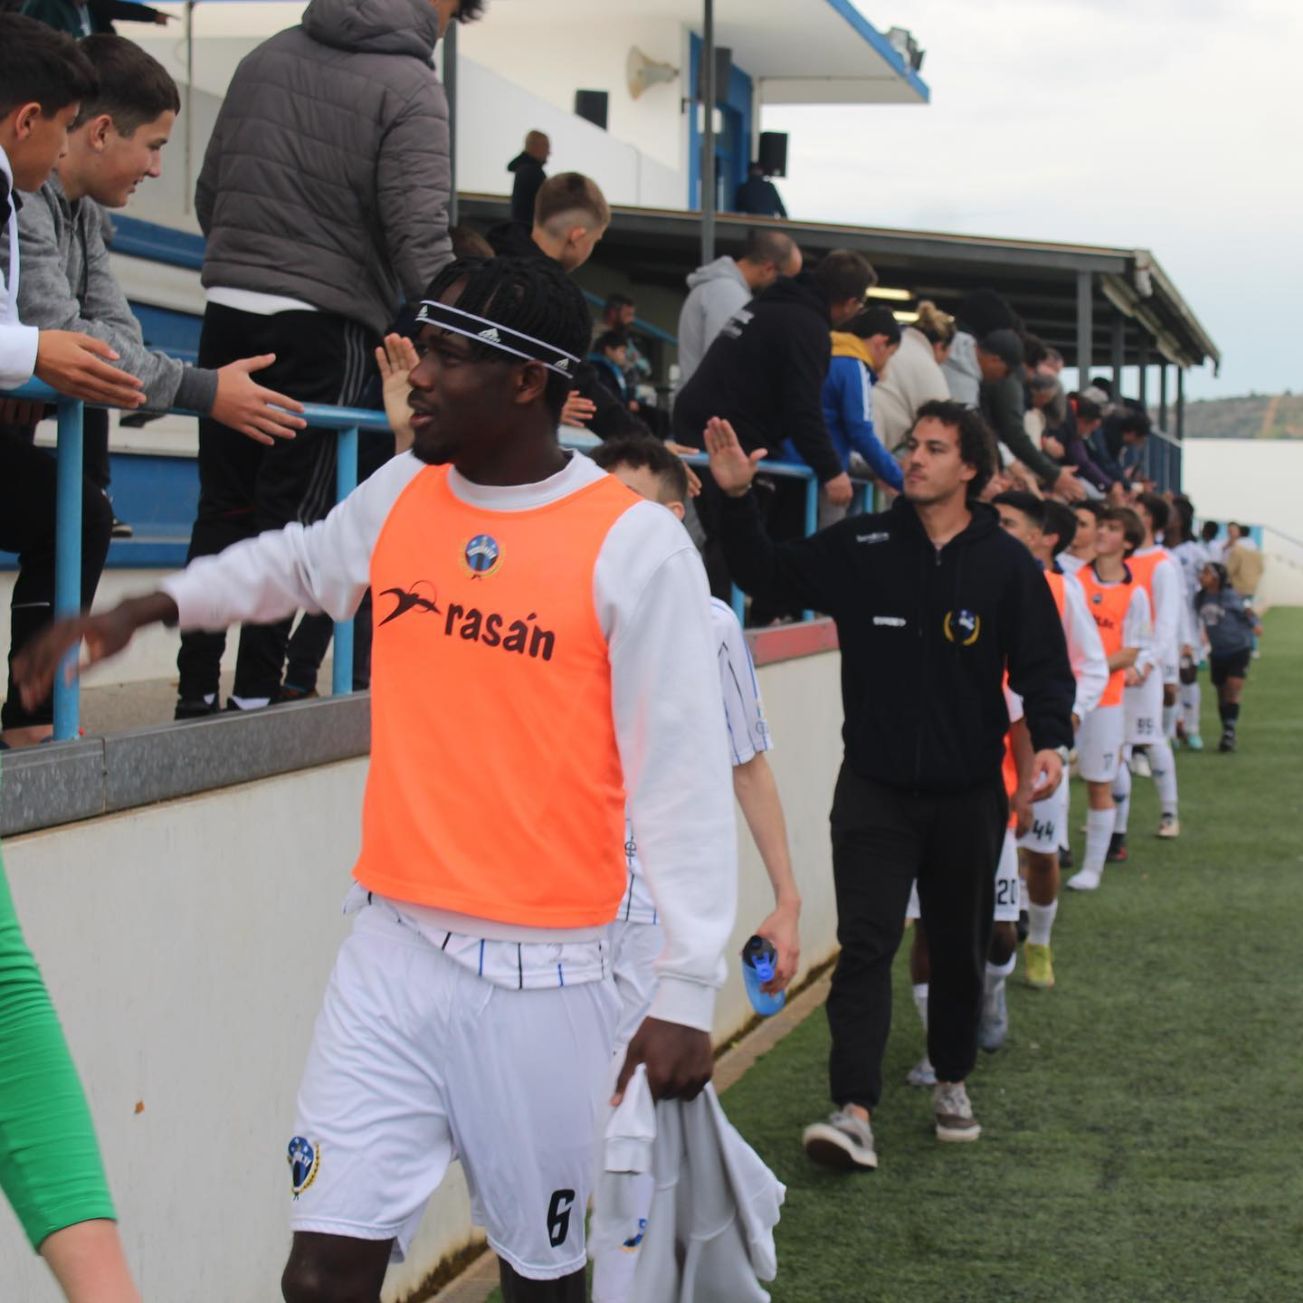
[496, 335]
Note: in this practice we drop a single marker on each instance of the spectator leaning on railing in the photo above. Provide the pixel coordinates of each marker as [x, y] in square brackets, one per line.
[67, 281]
[915, 376]
[324, 196]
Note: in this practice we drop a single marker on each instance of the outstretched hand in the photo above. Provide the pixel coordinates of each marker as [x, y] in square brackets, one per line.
[732, 467]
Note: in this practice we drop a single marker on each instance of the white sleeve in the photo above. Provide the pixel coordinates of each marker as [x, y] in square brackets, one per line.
[1137, 629]
[17, 352]
[1085, 649]
[654, 606]
[744, 711]
[1168, 600]
[322, 567]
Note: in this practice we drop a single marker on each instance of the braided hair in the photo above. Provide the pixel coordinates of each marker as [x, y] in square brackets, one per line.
[531, 295]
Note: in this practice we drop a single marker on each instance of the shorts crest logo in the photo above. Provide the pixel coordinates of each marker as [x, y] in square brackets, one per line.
[963, 627]
[304, 1159]
[482, 556]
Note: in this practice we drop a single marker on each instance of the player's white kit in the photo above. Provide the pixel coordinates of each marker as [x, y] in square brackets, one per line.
[1191, 557]
[1070, 564]
[635, 938]
[1143, 703]
[447, 1034]
[1167, 586]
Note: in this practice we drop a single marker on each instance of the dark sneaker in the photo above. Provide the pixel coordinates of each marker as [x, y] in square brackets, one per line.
[194, 709]
[121, 529]
[1228, 740]
[844, 1142]
[1065, 858]
[1117, 849]
[953, 1113]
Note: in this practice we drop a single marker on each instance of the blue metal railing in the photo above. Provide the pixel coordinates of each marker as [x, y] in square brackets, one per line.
[347, 422]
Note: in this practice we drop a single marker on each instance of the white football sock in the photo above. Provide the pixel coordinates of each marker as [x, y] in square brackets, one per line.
[1121, 796]
[1169, 720]
[1192, 704]
[1163, 764]
[1099, 828]
[920, 1002]
[996, 973]
[1040, 922]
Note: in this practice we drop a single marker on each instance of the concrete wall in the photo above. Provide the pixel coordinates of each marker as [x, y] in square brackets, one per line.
[187, 946]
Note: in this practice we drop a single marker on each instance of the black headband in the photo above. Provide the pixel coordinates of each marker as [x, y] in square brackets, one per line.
[493, 333]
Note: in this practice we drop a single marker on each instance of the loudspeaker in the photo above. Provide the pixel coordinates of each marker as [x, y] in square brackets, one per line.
[592, 106]
[773, 153]
[723, 72]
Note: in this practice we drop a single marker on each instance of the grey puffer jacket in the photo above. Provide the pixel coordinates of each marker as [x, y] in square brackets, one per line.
[327, 178]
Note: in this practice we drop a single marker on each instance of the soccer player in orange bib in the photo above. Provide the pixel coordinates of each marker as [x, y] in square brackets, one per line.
[542, 647]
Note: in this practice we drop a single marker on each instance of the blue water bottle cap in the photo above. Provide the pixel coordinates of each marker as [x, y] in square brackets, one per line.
[759, 964]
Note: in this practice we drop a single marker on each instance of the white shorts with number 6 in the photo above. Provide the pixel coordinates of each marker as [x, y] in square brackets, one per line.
[1099, 744]
[1007, 898]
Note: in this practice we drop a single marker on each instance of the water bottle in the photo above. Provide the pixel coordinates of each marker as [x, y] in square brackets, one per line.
[759, 961]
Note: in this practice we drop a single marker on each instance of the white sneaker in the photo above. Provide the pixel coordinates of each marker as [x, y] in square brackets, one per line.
[844, 1141]
[1086, 880]
[922, 1073]
[1169, 826]
[1140, 765]
[953, 1112]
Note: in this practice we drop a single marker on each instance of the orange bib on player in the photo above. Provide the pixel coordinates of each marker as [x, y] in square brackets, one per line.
[495, 787]
[1108, 603]
[1010, 778]
[1056, 581]
[1142, 571]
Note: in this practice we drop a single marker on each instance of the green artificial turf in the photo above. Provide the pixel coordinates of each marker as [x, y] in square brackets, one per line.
[1143, 1126]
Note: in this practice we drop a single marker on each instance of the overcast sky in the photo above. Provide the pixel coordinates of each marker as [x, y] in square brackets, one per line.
[1171, 125]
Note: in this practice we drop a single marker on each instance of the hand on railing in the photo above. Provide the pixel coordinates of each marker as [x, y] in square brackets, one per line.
[694, 480]
[839, 490]
[578, 410]
[732, 468]
[71, 363]
[396, 360]
[243, 404]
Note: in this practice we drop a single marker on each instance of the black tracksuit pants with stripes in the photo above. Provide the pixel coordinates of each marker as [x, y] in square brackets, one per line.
[247, 487]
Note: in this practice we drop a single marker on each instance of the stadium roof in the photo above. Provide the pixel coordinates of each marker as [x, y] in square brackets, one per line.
[797, 52]
[1135, 308]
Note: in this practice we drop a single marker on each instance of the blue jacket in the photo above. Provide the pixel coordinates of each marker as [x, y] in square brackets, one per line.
[848, 414]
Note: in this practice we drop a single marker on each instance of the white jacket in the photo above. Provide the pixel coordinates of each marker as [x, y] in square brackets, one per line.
[709, 1237]
[913, 377]
[18, 343]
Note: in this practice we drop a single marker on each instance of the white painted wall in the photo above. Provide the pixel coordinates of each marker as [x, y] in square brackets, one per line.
[1256, 481]
[187, 946]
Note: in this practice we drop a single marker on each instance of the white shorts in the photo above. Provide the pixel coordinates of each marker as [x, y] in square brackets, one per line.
[1007, 886]
[1099, 743]
[416, 1060]
[635, 948]
[1144, 710]
[1049, 823]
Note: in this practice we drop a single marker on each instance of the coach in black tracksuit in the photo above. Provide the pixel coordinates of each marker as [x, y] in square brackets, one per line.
[932, 601]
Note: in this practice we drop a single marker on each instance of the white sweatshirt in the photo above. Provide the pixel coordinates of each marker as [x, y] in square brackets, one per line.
[1085, 648]
[652, 603]
[17, 342]
[1169, 624]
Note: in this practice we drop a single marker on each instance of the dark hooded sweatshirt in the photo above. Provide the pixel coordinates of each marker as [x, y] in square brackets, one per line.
[925, 637]
[528, 179]
[764, 372]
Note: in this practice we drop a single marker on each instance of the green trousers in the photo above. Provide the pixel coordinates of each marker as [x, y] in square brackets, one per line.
[50, 1167]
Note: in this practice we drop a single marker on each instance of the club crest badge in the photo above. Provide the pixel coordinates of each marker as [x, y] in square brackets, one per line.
[482, 556]
[304, 1159]
[963, 627]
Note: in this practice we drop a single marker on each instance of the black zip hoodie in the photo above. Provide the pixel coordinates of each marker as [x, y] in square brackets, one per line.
[764, 372]
[925, 634]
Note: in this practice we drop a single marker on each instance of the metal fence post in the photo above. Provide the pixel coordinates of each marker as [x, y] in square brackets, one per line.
[341, 674]
[67, 561]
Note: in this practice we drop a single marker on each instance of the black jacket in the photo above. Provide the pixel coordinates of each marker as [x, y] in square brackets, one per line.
[925, 638]
[764, 372]
[529, 176]
[759, 196]
[612, 418]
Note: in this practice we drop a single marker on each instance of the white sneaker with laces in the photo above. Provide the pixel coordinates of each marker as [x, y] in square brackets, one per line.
[953, 1113]
[844, 1141]
[922, 1073]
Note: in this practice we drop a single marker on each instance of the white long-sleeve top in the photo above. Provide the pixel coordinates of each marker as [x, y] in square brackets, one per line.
[1085, 648]
[1138, 629]
[652, 603]
[1168, 612]
[17, 342]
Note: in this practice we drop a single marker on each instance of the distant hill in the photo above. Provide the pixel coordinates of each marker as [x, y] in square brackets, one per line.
[1256, 416]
